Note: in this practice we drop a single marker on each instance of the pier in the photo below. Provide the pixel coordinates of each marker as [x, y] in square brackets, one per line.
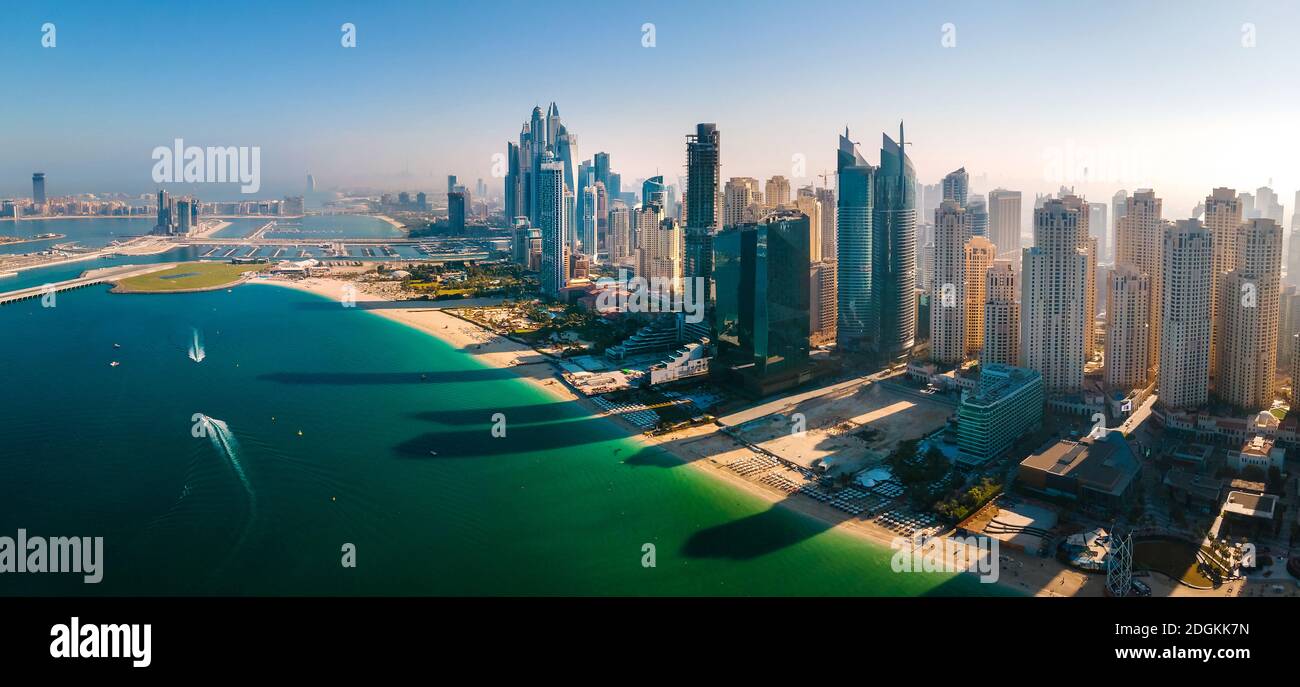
[90, 278]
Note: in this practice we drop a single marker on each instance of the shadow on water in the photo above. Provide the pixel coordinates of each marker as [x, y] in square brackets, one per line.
[519, 438]
[386, 378]
[752, 536]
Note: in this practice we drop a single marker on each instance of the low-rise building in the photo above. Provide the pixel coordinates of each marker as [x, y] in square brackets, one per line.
[1093, 471]
[1258, 452]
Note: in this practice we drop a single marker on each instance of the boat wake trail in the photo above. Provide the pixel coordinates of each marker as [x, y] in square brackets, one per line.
[226, 444]
[197, 353]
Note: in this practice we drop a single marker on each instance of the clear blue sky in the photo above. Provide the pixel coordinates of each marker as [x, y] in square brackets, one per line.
[1158, 93]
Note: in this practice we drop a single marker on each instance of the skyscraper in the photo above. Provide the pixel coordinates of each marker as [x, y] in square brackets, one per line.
[703, 212]
[1001, 316]
[38, 188]
[762, 313]
[956, 185]
[893, 250]
[311, 184]
[979, 256]
[826, 197]
[949, 304]
[457, 208]
[979, 215]
[1222, 219]
[822, 301]
[740, 200]
[1054, 326]
[777, 192]
[1004, 223]
[1118, 206]
[552, 218]
[1186, 266]
[1248, 312]
[1128, 327]
[853, 234]
[1099, 228]
[1139, 242]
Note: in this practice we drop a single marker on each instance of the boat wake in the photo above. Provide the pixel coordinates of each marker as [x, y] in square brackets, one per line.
[226, 444]
[197, 354]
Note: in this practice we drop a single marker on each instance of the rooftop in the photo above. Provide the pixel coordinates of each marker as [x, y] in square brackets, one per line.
[1105, 465]
[1250, 505]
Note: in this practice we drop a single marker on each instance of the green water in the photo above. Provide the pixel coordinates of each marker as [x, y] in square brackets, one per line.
[561, 505]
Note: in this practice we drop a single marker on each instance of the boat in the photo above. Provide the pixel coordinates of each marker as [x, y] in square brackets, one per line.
[300, 432]
[114, 364]
[433, 453]
[117, 345]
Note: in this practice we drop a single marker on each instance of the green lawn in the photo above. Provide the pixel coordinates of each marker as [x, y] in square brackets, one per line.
[189, 275]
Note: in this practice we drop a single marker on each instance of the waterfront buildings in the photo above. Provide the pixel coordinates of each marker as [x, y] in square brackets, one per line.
[1248, 312]
[1006, 405]
[1055, 328]
[1184, 362]
[761, 318]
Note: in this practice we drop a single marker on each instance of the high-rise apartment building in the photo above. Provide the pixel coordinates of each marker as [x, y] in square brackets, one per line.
[979, 257]
[1139, 241]
[949, 302]
[1001, 315]
[703, 211]
[777, 193]
[38, 188]
[1004, 223]
[1186, 271]
[1128, 328]
[956, 186]
[1249, 296]
[1222, 219]
[552, 221]
[742, 201]
[1055, 329]
[855, 185]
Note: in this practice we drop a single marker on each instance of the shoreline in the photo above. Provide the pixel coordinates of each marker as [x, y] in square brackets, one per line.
[537, 369]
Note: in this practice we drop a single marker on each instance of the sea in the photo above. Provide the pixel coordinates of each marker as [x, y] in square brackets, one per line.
[321, 450]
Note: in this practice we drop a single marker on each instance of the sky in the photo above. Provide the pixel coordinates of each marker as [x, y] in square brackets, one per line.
[1142, 94]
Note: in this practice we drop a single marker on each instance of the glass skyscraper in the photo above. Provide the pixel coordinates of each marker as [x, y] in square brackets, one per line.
[893, 250]
[876, 237]
[761, 315]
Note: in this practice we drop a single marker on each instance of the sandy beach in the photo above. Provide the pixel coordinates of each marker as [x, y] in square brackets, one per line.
[1025, 573]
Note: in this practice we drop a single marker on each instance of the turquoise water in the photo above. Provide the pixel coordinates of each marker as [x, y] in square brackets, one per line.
[312, 227]
[91, 232]
[561, 505]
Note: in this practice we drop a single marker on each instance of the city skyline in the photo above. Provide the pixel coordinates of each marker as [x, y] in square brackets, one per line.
[1007, 137]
